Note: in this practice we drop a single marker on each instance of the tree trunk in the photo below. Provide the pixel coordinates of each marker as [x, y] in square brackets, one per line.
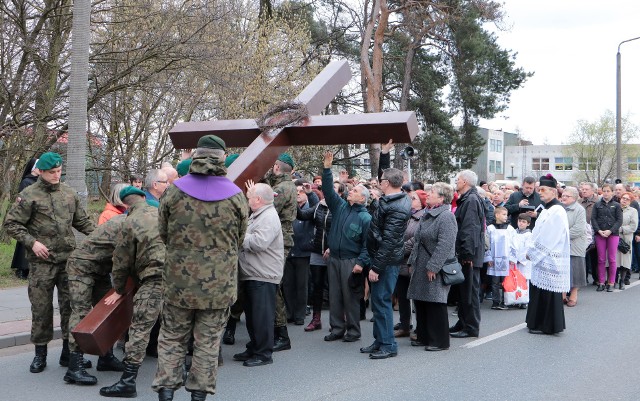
[78, 94]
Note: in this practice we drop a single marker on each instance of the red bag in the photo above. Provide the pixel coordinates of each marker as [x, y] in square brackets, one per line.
[516, 289]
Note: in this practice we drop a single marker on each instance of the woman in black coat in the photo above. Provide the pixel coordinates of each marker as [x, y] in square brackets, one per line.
[19, 262]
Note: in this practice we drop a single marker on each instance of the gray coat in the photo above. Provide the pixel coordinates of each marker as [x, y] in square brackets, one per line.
[629, 226]
[437, 235]
[576, 215]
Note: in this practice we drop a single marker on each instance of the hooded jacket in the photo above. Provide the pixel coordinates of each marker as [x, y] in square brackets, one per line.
[385, 240]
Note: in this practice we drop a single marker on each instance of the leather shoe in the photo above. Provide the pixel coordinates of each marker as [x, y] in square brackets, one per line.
[382, 354]
[417, 343]
[461, 334]
[255, 361]
[432, 348]
[333, 337]
[600, 287]
[401, 333]
[243, 356]
[534, 331]
[370, 349]
[454, 328]
[349, 339]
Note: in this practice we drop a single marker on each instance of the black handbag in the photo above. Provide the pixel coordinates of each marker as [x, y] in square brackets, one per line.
[623, 246]
[452, 272]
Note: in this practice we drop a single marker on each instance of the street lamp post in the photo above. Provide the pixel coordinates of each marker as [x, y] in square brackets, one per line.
[512, 166]
[619, 109]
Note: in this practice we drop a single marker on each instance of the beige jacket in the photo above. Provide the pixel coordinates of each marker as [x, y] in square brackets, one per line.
[262, 254]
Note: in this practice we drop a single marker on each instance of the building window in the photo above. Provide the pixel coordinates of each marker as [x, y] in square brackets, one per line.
[540, 164]
[633, 163]
[492, 166]
[564, 163]
[498, 145]
[587, 164]
[366, 162]
[356, 162]
[498, 167]
[492, 145]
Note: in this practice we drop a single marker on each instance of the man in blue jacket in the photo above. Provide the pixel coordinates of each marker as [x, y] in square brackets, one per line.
[348, 254]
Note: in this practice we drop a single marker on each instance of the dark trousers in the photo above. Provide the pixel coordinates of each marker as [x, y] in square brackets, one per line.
[260, 312]
[469, 306]
[591, 262]
[318, 278]
[432, 323]
[635, 256]
[295, 287]
[496, 289]
[404, 305]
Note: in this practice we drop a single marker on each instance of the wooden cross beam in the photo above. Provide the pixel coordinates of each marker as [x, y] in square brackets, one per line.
[263, 149]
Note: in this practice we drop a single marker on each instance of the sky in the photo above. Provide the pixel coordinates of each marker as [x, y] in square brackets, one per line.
[571, 47]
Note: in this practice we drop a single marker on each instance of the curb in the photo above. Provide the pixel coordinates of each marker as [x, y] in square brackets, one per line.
[16, 339]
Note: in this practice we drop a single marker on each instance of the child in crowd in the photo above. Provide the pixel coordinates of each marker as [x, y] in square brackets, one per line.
[500, 238]
[521, 244]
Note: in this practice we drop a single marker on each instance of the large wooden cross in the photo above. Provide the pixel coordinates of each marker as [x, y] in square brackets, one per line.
[263, 149]
[104, 324]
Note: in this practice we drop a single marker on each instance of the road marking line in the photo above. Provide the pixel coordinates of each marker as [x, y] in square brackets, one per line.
[494, 336]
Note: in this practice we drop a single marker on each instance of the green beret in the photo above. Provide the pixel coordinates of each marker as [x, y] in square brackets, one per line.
[48, 161]
[183, 167]
[130, 190]
[230, 159]
[211, 142]
[286, 158]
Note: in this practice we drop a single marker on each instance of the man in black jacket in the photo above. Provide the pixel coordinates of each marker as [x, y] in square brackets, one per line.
[470, 252]
[385, 243]
[526, 198]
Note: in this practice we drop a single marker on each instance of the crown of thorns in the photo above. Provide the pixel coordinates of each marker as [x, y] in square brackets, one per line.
[283, 115]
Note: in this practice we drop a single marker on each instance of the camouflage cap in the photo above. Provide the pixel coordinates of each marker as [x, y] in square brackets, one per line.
[230, 159]
[48, 161]
[286, 158]
[211, 142]
[183, 167]
[130, 190]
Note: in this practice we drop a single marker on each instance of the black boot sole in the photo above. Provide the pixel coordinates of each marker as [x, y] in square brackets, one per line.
[80, 382]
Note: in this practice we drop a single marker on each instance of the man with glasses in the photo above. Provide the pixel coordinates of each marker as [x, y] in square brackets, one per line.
[526, 200]
[156, 183]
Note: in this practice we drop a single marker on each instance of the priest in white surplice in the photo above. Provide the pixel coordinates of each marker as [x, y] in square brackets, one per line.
[549, 254]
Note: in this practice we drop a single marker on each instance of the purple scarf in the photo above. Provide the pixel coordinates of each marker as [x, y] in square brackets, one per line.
[207, 188]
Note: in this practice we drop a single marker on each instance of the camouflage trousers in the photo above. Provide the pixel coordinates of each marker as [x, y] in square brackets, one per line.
[43, 277]
[147, 307]
[281, 310]
[86, 289]
[178, 324]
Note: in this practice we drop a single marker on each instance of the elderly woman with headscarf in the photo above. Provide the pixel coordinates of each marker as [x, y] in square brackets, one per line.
[434, 244]
[576, 217]
[549, 252]
[418, 203]
[627, 229]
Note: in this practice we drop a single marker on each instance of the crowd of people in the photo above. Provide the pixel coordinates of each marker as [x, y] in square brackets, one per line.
[202, 252]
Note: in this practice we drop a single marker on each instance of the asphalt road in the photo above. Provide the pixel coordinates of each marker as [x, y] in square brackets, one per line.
[596, 358]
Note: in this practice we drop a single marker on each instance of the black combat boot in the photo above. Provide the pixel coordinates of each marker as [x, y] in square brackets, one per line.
[109, 362]
[229, 336]
[76, 373]
[40, 360]
[281, 339]
[126, 387]
[64, 356]
[165, 394]
[198, 395]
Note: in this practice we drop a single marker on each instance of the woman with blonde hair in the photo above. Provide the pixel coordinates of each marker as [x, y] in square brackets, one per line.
[627, 230]
[114, 205]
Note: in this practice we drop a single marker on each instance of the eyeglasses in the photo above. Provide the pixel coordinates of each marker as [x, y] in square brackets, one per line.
[163, 182]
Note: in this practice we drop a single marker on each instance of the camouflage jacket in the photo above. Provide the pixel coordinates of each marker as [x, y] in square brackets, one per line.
[99, 245]
[139, 251]
[46, 212]
[285, 204]
[203, 238]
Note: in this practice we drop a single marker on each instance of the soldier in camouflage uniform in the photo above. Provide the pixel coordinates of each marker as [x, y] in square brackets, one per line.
[41, 219]
[203, 219]
[89, 268]
[286, 205]
[140, 254]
